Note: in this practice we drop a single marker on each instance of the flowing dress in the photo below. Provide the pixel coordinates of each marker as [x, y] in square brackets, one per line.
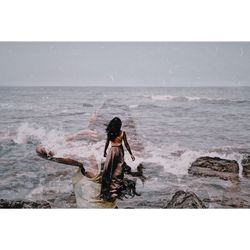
[112, 174]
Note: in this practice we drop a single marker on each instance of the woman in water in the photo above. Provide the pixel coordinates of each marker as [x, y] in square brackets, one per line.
[113, 172]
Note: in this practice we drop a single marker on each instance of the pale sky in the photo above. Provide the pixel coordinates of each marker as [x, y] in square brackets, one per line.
[124, 64]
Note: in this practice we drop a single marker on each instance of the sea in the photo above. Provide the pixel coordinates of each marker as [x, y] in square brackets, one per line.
[168, 129]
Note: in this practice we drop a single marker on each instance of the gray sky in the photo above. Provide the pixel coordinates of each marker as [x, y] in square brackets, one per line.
[124, 64]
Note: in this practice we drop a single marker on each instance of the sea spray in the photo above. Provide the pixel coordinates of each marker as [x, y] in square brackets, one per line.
[176, 159]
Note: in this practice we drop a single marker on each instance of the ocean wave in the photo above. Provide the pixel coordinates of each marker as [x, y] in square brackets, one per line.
[133, 106]
[63, 113]
[88, 105]
[144, 106]
[56, 140]
[194, 99]
[176, 159]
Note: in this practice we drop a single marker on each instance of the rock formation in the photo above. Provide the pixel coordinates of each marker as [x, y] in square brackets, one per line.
[246, 165]
[182, 199]
[23, 204]
[215, 167]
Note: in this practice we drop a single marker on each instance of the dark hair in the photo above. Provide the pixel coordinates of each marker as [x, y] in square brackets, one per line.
[114, 128]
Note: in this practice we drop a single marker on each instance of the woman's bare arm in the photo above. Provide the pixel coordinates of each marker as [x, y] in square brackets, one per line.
[49, 155]
[106, 147]
[127, 146]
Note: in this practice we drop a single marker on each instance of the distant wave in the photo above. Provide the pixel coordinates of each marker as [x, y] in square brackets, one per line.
[133, 106]
[87, 105]
[194, 99]
[145, 105]
[49, 115]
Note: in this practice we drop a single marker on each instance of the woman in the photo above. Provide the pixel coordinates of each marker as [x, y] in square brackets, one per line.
[111, 176]
[113, 172]
[90, 168]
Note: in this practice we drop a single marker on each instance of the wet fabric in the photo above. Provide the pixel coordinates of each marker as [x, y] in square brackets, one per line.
[112, 174]
[87, 192]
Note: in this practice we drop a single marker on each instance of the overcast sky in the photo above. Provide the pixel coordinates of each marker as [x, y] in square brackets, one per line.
[125, 64]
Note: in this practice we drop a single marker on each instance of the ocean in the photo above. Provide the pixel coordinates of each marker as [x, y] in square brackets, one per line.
[168, 128]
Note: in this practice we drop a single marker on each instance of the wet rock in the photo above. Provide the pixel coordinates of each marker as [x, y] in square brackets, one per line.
[182, 199]
[64, 201]
[23, 204]
[227, 202]
[246, 165]
[215, 167]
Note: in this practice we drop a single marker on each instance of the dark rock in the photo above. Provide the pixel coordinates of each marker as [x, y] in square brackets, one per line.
[23, 204]
[215, 167]
[63, 200]
[246, 165]
[71, 200]
[182, 199]
[225, 202]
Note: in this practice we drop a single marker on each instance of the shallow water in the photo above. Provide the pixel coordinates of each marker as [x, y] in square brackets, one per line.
[168, 129]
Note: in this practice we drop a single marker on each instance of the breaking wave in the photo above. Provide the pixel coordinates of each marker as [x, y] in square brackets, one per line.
[194, 99]
[176, 159]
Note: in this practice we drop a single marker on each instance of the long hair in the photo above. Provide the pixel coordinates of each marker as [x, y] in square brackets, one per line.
[114, 128]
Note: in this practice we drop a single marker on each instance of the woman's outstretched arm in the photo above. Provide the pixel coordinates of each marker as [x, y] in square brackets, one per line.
[49, 155]
[127, 146]
[106, 147]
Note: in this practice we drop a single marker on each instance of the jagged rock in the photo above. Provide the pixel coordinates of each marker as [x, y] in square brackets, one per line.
[228, 202]
[246, 165]
[182, 199]
[215, 167]
[23, 204]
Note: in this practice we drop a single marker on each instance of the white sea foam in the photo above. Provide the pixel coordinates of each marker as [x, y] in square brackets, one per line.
[52, 139]
[183, 98]
[52, 187]
[26, 131]
[55, 140]
[195, 99]
[133, 106]
[176, 159]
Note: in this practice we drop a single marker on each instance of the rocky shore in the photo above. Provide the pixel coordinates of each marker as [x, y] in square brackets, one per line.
[23, 204]
[204, 170]
[69, 200]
